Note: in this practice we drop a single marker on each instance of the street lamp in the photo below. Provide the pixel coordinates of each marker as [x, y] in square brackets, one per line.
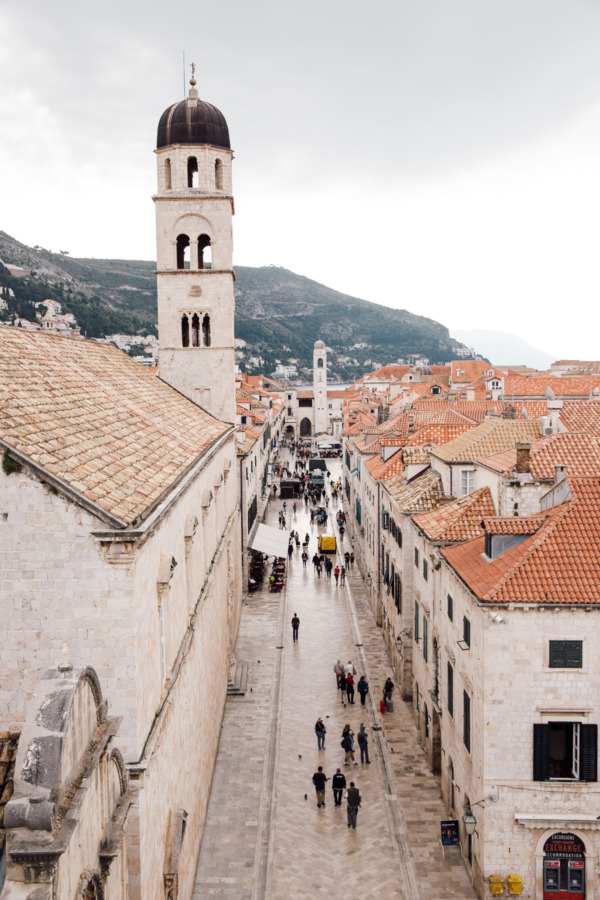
[469, 821]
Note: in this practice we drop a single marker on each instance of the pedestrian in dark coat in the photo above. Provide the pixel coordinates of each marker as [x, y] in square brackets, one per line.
[320, 731]
[319, 779]
[338, 783]
[295, 627]
[363, 743]
[353, 799]
[363, 689]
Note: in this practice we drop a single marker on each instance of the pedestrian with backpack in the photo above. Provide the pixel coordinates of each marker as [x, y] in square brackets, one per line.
[350, 688]
[338, 783]
[348, 747]
[343, 689]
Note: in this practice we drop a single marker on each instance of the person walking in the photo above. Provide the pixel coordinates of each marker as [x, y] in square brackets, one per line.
[338, 783]
[348, 747]
[350, 688]
[349, 668]
[363, 689]
[336, 573]
[295, 627]
[343, 575]
[347, 558]
[354, 800]
[294, 508]
[318, 568]
[363, 743]
[319, 779]
[343, 688]
[290, 550]
[320, 731]
[352, 560]
[339, 671]
[315, 560]
[304, 558]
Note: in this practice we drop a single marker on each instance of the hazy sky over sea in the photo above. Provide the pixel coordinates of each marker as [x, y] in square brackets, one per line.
[439, 156]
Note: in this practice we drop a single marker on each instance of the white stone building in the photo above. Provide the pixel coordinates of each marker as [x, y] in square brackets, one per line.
[119, 515]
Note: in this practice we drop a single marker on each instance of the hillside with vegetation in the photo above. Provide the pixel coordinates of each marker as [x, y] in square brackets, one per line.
[278, 314]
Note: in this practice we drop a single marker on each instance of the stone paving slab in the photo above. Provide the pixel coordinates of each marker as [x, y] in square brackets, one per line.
[274, 843]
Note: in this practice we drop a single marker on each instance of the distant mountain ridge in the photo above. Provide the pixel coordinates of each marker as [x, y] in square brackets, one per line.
[504, 348]
[279, 314]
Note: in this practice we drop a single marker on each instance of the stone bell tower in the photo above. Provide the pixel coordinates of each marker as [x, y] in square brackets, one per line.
[194, 247]
[320, 387]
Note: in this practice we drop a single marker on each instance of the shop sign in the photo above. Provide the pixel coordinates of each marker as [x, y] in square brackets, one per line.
[564, 846]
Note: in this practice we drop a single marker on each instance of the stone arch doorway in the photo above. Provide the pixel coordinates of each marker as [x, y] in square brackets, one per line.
[564, 866]
[289, 431]
[305, 427]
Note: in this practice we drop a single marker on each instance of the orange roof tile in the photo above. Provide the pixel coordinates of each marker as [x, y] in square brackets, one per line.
[579, 452]
[457, 521]
[558, 565]
[98, 420]
[492, 436]
[563, 387]
[581, 416]
[513, 524]
[382, 470]
[419, 494]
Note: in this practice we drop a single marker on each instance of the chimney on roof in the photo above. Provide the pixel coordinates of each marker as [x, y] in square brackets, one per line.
[560, 474]
[523, 458]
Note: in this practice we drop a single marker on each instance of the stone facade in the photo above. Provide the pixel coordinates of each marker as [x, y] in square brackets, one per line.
[195, 295]
[321, 419]
[67, 819]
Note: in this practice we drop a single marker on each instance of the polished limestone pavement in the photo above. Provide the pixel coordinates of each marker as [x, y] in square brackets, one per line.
[263, 839]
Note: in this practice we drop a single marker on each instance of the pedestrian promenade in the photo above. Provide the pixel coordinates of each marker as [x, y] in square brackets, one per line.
[263, 839]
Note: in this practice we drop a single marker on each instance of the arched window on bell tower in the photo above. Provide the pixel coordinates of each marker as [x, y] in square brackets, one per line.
[195, 330]
[206, 331]
[185, 331]
[320, 363]
[192, 172]
[167, 174]
[204, 252]
[183, 251]
[218, 175]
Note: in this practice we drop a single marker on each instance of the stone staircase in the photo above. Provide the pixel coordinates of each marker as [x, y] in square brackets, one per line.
[238, 684]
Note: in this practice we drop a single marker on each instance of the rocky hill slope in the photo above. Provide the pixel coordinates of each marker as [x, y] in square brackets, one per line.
[278, 313]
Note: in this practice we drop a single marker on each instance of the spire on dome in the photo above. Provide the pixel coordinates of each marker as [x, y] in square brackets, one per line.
[193, 94]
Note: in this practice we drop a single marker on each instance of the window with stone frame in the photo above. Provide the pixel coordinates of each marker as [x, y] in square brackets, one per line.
[565, 655]
[467, 721]
[450, 607]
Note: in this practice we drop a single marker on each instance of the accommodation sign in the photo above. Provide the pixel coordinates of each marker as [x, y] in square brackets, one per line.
[564, 846]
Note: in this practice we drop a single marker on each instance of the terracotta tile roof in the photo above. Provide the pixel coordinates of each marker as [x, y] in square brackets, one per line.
[305, 395]
[458, 521]
[559, 564]
[97, 420]
[466, 371]
[382, 470]
[563, 386]
[436, 434]
[415, 456]
[340, 395]
[492, 436]
[581, 416]
[420, 494]
[579, 452]
[513, 524]
[385, 373]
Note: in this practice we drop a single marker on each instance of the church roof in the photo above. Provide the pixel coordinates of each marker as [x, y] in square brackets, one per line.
[98, 421]
[192, 121]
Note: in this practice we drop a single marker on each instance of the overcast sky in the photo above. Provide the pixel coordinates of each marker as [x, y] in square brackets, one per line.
[441, 156]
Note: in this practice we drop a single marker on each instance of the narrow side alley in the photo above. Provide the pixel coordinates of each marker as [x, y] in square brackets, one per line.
[263, 839]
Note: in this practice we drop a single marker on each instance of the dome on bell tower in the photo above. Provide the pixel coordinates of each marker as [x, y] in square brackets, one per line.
[192, 121]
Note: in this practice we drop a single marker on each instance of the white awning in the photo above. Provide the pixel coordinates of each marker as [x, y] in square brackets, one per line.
[271, 541]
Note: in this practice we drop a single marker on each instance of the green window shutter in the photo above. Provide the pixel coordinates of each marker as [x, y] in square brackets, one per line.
[557, 654]
[541, 752]
[573, 654]
[588, 767]
[467, 721]
[451, 690]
